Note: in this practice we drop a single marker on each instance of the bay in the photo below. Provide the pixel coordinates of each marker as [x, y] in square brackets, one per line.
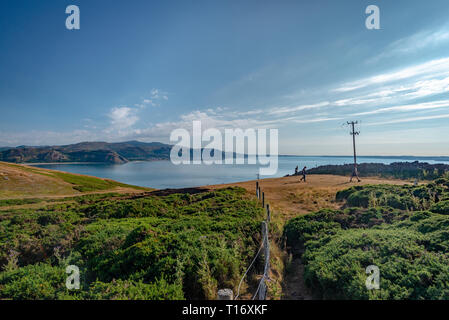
[164, 174]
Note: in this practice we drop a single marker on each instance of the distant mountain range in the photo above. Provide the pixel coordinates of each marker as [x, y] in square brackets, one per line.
[122, 152]
[105, 152]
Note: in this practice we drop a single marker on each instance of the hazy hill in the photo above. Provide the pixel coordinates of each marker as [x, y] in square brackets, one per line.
[88, 152]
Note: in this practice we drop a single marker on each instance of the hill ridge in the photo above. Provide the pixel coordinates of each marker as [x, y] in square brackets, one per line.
[95, 151]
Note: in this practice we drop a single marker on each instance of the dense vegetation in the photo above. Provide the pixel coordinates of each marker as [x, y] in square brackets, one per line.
[404, 230]
[154, 247]
[399, 170]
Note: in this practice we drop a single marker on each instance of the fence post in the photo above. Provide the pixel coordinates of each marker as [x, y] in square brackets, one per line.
[225, 294]
[263, 290]
[268, 213]
[257, 189]
[267, 251]
[266, 245]
[263, 199]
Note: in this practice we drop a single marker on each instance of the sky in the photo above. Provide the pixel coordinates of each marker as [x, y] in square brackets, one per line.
[137, 70]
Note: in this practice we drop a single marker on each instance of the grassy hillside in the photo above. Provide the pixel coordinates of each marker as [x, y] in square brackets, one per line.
[404, 230]
[153, 247]
[19, 181]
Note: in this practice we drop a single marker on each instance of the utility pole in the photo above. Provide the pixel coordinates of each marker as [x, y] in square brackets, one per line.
[354, 133]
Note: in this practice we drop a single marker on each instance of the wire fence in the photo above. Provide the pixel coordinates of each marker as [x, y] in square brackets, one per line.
[261, 292]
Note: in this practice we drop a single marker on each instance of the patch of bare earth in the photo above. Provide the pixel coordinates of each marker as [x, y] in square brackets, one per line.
[294, 287]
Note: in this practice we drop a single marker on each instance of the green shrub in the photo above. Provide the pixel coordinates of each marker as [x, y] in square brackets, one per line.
[132, 290]
[441, 207]
[407, 271]
[33, 282]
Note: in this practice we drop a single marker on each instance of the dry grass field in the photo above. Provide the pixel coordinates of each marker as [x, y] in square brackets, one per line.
[289, 197]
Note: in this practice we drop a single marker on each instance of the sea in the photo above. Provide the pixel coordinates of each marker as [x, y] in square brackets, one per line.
[164, 174]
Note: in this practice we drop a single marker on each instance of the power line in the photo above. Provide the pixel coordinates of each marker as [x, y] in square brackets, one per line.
[354, 133]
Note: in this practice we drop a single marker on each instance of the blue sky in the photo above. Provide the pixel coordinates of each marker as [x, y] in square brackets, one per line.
[139, 69]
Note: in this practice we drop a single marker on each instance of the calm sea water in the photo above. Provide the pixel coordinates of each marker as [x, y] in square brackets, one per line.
[163, 174]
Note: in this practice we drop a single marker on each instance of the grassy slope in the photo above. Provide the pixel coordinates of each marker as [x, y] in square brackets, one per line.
[19, 181]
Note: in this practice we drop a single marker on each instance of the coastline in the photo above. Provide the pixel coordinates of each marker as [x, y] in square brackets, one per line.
[102, 163]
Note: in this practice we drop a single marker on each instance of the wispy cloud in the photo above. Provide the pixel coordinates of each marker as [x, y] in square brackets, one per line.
[154, 99]
[46, 137]
[433, 68]
[316, 120]
[410, 119]
[298, 108]
[410, 107]
[427, 39]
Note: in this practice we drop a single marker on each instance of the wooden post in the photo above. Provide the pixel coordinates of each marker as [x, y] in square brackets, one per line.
[257, 189]
[264, 233]
[263, 287]
[263, 199]
[225, 294]
[267, 250]
[263, 290]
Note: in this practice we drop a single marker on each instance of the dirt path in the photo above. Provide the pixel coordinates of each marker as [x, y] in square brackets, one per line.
[294, 287]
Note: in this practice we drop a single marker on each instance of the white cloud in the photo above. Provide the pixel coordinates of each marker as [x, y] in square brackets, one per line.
[156, 95]
[123, 117]
[36, 138]
[411, 119]
[418, 41]
[433, 68]
[316, 120]
[410, 107]
[298, 108]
